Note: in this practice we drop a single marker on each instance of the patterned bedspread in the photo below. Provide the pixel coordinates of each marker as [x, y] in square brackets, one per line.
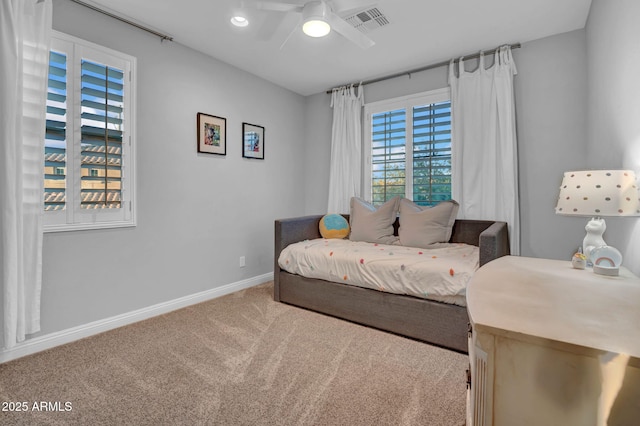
[440, 273]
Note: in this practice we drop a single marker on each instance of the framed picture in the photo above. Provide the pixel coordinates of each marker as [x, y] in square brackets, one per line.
[252, 141]
[212, 134]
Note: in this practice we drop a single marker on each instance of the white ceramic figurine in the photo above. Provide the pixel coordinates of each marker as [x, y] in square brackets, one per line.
[595, 228]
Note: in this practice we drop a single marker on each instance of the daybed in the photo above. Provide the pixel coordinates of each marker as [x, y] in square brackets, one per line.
[434, 322]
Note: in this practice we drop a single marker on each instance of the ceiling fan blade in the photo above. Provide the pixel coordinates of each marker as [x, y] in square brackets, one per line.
[278, 6]
[295, 29]
[342, 7]
[345, 29]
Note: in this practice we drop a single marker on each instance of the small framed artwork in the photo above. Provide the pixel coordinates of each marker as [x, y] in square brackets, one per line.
[252, 141]
[212, 134]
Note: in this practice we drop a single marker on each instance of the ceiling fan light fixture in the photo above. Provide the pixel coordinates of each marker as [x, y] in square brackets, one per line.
[315, 17]
[316, 28]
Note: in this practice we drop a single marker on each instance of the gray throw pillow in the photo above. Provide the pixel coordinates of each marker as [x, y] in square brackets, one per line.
[424, 226]
[371, 224]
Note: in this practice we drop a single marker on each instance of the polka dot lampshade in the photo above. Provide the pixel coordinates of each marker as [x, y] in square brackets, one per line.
[599, 193]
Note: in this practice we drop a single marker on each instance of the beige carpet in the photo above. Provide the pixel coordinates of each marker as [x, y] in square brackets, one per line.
[241, 359]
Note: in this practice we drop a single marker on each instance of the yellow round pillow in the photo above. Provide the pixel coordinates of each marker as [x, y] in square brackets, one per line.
[334, 226]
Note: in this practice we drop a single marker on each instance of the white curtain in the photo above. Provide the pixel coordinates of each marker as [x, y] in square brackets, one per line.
[25, 32]
[484, 147]
[344, 178]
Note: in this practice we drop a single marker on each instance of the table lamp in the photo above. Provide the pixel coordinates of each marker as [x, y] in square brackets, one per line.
[596, 194]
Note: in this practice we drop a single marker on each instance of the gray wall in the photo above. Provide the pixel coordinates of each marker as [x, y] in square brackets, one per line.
[551, 117]
[317, 143]
[197, 213]
[613, 36]
[551, 101]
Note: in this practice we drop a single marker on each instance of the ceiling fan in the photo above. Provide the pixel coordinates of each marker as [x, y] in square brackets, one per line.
[319, 17]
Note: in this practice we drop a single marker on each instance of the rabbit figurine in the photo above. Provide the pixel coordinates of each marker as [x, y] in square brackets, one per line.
[595, 228]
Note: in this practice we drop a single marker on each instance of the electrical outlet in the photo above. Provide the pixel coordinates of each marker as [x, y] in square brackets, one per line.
[242, 261]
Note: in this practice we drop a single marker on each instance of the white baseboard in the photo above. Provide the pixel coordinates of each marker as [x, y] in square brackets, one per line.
[58, 338]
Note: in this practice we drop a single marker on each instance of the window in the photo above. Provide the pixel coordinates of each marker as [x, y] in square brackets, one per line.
[89, 157]
[408, 148]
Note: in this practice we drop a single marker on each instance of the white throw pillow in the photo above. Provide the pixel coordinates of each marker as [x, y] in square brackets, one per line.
[424, 226]
[371, 224]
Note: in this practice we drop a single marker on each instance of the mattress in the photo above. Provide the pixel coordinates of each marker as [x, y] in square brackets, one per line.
[439, 273]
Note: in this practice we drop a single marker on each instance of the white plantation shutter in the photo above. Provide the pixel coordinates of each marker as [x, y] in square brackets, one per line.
[409, 144]
[56, 134]
[101, 136]
[388, 155]
[432, 153]
[89, 155]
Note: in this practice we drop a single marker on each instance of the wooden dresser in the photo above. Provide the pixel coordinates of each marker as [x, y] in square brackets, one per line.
[553, 345]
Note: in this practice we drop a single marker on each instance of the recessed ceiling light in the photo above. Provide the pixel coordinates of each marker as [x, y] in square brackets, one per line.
[239, 21]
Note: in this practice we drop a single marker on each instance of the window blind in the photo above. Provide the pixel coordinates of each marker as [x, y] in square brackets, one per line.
[410, 143]
[432, 153]
[56, 134]
[101, 135]
[388, 155]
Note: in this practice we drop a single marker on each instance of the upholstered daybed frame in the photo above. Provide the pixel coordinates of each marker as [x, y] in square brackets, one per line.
[437, 323]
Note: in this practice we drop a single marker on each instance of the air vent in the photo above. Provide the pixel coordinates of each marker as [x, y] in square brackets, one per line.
[367, 20]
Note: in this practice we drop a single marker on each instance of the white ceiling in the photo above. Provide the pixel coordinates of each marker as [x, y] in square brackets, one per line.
[420, 32]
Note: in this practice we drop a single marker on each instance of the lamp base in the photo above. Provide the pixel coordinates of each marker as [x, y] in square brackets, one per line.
[595, 228]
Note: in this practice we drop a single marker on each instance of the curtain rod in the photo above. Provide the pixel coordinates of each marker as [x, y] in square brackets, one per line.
[163, 37]
[427, 67]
